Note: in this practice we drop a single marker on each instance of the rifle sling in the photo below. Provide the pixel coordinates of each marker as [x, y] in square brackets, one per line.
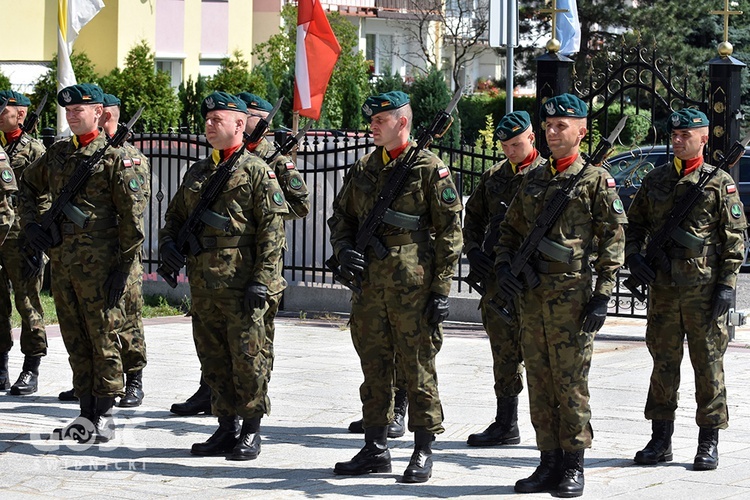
[209, 242]
[397, 240]
[689, 253]
[402, 220]
[555, 250]
[69, 228]
[545, 267]
[687, 240]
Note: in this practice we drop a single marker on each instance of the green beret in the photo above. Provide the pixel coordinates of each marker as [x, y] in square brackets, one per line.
[218, 101]
[384, 102]
[83, 93]
[512, 124]
[111, 100]
[687, 118]
[14, 98]
[564, 105]
[254, 102]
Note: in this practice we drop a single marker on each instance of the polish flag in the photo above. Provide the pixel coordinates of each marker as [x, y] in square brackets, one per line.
[317, 52]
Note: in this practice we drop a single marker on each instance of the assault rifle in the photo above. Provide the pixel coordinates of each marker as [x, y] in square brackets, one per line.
[366, 236]
[29, 123]
[84, 170]
[476, 280]
[187, 237]
[683, 206]
[289, 144]
[520, 264]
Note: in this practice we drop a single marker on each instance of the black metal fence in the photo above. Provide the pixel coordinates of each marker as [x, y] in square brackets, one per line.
[323, 158]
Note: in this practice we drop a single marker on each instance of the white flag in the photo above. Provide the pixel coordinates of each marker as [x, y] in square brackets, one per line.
[72, 15]
[568, 29]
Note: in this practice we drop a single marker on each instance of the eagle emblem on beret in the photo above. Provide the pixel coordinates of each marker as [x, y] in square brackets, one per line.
[502, 135]
[675, 120]
[210, 104]
[366, 110]
[66, 96]
[550, 108]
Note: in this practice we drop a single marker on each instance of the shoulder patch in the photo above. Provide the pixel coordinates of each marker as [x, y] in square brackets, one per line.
[611, 183]
[736, 211]
[731, 188]
[617, 206]
[449, 195]
[278, 198]
[295, 183]
[2, 155]
[271, 174]
[289, 165]
[443, 172]
[127, 162]
[136, 161]
[6, 175]
[134, 185]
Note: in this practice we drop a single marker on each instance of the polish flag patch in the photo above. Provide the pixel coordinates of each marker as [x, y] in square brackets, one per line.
[289, 165]
[443, 172]
[2, 155]
[731, 189]
[611, 182]
[127, 162]
[271, 174]
[136, 161]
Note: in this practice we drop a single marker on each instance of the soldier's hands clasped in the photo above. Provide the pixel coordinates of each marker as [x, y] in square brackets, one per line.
[352, 261]
[114, 287]
[172, 257]
[640, 270]
[39, 239]
[723, 296]
[255, 296]
[437, 309]
[595, 313]
[509, 285]
[480, 263]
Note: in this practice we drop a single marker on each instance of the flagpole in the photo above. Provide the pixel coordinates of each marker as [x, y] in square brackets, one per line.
[295, 129]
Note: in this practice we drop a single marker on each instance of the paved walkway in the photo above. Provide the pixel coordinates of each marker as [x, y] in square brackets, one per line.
[314, 392]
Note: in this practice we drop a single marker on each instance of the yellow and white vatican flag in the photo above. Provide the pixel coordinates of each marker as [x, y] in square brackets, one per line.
[72, 15]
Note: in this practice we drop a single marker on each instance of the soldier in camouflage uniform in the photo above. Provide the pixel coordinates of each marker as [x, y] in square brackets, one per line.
[691, 291]
[404, 296]
[230, 277]
[21, 150]
[100, 237]
[561, 315]
[485, 209]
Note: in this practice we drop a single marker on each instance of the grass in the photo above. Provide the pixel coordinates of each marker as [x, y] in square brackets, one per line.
[154, 307]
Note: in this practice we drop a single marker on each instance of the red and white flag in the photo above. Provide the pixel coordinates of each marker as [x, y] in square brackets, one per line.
[317, 52]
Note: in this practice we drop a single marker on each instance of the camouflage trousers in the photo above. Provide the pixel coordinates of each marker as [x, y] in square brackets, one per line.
[230, 343]
[675, 313]
[507, 361]
[90, 330]
[132, 335]
[388, 326]
[557, 355]
[269, 318]
[26, 297]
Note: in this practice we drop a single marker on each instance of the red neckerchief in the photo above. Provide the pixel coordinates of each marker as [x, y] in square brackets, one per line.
[226, 153]
[13, 136]
[395, 153]
[252, 147]
[563, 163]
[86, 139]
[686, 167]
[527, 161]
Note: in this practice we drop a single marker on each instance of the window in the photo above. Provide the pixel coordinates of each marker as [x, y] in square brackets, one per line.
[379, 50]
[209, 67]
[173, 67]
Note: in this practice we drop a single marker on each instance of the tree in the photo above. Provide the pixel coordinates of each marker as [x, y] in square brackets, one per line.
[47, 84]
[4, 81]
[233, 75]
[191, 95]
[429, 94]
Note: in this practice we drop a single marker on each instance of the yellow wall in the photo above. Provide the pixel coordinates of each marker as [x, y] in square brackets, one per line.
[192, 42]
[32, 33]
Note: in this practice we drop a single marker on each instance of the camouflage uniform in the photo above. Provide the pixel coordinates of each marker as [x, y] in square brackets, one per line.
[113, 203]
[680, 302]
[387, 319]
[228, 339]
[297, 200]
[556, 352]
[26, 291]
[485, 208]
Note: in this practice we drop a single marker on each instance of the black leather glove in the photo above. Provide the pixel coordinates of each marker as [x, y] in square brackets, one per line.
[595, 313]
[480, 263]
[171, 256]
[509, 285]
[255, 296]
[640, 270]
[32, 266]
[352, 261]
[437, 309]
[723, 296]
[39, 239]
[114, 287]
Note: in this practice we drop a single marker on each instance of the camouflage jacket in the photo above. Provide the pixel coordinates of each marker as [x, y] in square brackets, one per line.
[142, 168]
[594, 214]
[8, 190]
[718, 219]
[252, 248]
[487, 205]
[290, 180]
[429, 194]
[111, 201]
[25, 153]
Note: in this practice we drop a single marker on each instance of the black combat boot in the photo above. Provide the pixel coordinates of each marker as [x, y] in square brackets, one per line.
[4, 376]
[504, 430]
[419, 469]
[374, 457]
[707, 457]
[82, 429]
[571, 484]
[547, 475]
[248, 447]
[27, 380]
[397, 428]
[222, 441]
[68, 395]
[104, 424]
[198, 403]
[659, 449]
[133, 390]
